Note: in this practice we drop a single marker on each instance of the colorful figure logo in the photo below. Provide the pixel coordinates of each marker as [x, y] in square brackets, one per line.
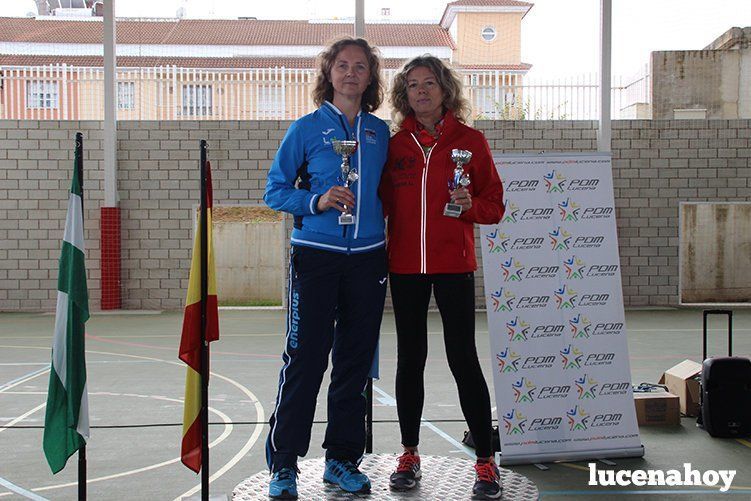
[514, 422]
[580, 326]
[586, 387]
[569, 210]
[524, 391]
[565, 298]
[508, 361]
[497, 241]
[559, 239]
[577, 419]
[571, 358]
[510, 212]
[574, 268]
[502, 301]
[554, 182]
[517, 329]
[512, 270]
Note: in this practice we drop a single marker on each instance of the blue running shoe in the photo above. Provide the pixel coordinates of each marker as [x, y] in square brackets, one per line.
[283, 484]
[346, 475]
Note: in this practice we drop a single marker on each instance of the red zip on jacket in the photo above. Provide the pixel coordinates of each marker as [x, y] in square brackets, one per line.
[414, 190]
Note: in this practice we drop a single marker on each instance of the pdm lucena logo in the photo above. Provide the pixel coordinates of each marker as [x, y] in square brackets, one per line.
[578, 418]
[580, 326]
[497, 241]
[522, 185]
[524, 390]
[508, 361]
[574, 268]
[571, 357]
[511, 212]
[514, 422]
[554, 182]
[560, 239]
[565, 298]
[512, 270]
[569, 211]
[517, 329]
[586, 387]
[501, 300]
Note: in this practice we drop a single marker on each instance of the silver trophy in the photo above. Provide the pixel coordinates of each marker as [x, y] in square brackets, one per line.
[349, 175]
[459, 179]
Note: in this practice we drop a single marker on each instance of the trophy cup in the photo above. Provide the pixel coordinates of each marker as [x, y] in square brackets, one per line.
[459, 179]
[348, 176]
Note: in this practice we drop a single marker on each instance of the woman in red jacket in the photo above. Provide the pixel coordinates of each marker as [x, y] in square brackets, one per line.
[431, 251]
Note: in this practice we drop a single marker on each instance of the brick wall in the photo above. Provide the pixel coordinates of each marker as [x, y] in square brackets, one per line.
[656, 164]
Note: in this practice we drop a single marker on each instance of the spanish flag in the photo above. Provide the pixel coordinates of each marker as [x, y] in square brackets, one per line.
[190, 342]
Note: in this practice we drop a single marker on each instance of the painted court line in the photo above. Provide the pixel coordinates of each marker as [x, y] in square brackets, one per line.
[227, 430]
[23, 416]
[461, 447]
[23, 379]
[13, 364]
[225, 433]
[248, 445]
[20, 490]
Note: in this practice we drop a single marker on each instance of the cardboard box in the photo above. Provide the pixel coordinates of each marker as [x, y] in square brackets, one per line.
[683, 380]
[657, 408]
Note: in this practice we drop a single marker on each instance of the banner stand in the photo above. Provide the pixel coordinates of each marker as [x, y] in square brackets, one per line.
[556, 322]
[594, 455]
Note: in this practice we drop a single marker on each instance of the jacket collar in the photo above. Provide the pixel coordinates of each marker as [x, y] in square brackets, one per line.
[329, 107]
[449, 123]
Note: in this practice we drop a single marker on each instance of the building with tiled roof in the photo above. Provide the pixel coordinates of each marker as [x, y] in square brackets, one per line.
[216, 32]
[187, 68]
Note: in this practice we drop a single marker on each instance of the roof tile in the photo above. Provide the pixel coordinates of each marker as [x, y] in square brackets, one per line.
[211, 62]
[218, 32]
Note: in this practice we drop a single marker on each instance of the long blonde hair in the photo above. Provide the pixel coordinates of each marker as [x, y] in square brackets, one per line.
[449, 81]
[324, 90]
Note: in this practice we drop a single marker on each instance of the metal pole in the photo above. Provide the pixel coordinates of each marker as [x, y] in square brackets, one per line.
[704, 336]
[204, 343]
[359, 18]
[606, 14]
[730, 333]
[82, 450]
[110, 106]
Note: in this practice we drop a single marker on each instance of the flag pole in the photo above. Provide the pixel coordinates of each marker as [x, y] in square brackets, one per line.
[204, 343]
[82, 450]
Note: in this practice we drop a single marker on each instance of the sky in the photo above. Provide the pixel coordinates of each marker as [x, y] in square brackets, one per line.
[560, 38]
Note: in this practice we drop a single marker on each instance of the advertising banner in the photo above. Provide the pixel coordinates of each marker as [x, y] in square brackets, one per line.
[555, 313]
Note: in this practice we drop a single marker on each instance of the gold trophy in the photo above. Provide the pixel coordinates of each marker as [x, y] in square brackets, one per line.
[459, 179]
[348, 176]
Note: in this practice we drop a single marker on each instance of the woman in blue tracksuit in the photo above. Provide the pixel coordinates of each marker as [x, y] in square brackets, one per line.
[337, 272]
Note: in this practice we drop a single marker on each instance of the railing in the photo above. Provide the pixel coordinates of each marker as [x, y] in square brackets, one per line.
[62, 92]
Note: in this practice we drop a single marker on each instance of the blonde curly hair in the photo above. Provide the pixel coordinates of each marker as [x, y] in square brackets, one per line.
[449, 81]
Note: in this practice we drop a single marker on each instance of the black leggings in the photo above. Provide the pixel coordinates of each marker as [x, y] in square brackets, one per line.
[455, 297]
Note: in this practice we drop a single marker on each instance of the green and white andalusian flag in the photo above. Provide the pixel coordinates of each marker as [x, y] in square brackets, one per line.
[66, 423]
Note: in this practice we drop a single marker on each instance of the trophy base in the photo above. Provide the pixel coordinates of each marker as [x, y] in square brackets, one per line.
[452, 210]
[346, 219]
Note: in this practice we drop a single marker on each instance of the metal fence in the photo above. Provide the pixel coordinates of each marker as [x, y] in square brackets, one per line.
[62, 92]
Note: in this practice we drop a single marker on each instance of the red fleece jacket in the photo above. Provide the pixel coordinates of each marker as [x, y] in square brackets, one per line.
[414, 191]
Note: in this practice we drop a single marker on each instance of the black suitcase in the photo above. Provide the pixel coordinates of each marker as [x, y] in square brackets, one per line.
[725, 390]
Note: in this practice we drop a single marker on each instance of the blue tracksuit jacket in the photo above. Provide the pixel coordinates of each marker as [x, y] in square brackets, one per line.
[306, 154]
